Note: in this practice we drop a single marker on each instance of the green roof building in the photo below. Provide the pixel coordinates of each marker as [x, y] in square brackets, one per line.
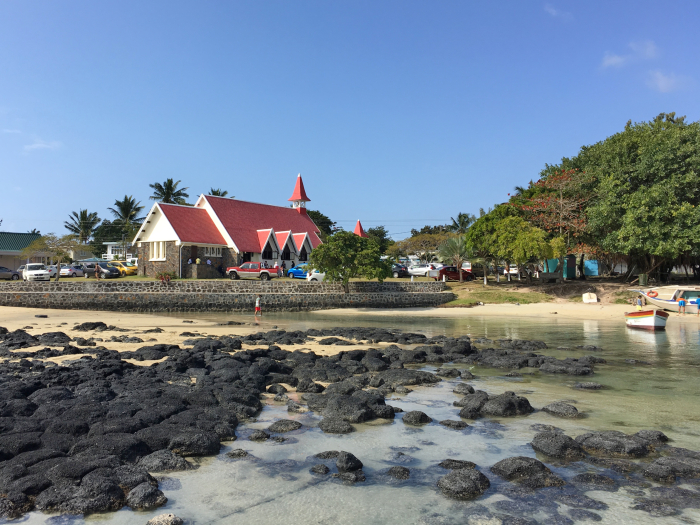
[11, 246]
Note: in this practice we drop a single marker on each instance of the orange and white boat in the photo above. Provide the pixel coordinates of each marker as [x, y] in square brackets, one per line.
[647, 319]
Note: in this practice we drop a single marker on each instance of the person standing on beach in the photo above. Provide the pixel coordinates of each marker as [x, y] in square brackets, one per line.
[257, 306]
[681, 306]
[639, 302]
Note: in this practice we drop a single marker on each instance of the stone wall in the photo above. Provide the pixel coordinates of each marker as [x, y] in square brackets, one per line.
[288, 286]
[219, 296]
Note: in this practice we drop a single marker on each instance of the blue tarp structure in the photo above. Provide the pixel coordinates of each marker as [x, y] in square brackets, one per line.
[590, 268]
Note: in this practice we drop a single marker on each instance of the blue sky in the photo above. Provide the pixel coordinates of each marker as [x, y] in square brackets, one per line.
[398, 113]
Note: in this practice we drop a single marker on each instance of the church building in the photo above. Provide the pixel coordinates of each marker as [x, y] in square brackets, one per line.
[226, 232]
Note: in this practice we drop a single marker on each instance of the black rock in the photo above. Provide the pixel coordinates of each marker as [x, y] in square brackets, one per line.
[145, 497]
[276, 389]
[195, 443]
[463, 484]
[259, 435]
[588, 385]
[320, 469]
[401, 473]
[456, 464]
[351, 477]
[454, 425]
[284, 425]
[613, 444]
[416, 418]
[667, 469]
[561, 409]
[328, 454]
[237, 454]
[472, 404]
[527, 471]
[347, 462]
[590, 478]
[463, 389]
[164, 461]
[334, 425]
[507, 405]
[557, 445]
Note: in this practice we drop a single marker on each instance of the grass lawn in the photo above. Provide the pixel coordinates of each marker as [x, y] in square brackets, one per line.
[495, 293]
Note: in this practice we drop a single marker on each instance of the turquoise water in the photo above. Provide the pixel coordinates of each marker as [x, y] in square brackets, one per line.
[277, 486]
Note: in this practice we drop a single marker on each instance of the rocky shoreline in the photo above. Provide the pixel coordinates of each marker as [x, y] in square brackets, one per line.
[95, 432]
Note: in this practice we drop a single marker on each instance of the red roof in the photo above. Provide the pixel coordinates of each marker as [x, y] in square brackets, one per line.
[192, 224]
[263, 236]
[299, 191]
[243, 219]
[359, 230]
[282, 238]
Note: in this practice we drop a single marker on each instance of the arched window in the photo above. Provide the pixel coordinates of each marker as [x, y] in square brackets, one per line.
[267, 252]
[286, 255]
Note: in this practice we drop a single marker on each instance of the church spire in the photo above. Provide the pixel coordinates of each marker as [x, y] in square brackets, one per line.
[299, 197]
[359, 230]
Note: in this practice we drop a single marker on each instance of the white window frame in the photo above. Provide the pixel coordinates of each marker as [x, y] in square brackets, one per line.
[212, 251]
[157, 251]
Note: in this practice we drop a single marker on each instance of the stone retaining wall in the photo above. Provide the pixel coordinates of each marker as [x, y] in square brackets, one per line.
[288, 286]
[220, 296]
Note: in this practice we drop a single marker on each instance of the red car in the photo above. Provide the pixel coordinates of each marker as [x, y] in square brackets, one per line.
[450, 273]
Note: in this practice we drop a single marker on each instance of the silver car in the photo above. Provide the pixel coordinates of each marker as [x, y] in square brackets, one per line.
[74, 270]
[6, 273]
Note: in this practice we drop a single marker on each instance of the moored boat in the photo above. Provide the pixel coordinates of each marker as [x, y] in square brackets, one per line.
[647, 319]
[667, 297]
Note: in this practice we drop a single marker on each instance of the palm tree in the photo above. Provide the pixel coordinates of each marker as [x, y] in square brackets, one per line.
[168, 193]
[462, 224]
[455, 250]
[126, 212]
[218, 192]
[82, 224]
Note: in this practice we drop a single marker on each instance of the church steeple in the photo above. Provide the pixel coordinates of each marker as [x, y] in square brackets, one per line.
[299, 197]
[359, 230]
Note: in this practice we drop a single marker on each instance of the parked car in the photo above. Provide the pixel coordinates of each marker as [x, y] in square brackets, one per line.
[298, 272]
[20, 270]
[52, 270]
[6, 273]
[450, 274]
[106, 271]
[316, 276]
[399, 270]
[35, 272]
[74, 270]
[251, 270]
[421, 270]
[125, 268]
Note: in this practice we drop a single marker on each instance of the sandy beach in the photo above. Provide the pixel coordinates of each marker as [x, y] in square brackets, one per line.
[13, 318]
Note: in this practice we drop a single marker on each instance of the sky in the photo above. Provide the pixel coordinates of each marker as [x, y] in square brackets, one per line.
[398, 113]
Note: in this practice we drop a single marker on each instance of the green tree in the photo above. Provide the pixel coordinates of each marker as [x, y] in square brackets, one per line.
[430, 230]
[82, 224]
[217, 192]
[323, 222]
[168, 192]
[480, 235]
[126, 212]
[462, 223]
[381, 236]
[58, 248]
[456, 251]
[346, 255]
[517, 241]
[424, 245]
[34, 230]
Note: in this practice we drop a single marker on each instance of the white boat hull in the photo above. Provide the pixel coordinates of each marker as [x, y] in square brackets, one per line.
[647, 320]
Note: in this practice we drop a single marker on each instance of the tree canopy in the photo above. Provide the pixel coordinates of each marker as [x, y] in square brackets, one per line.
[82, 224]
[345, 255]
[168, 192]
[323, 222]
[456, 251]
[217, 192]
[381, 236]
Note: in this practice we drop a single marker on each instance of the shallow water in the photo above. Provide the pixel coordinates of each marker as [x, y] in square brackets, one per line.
[276, 484]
